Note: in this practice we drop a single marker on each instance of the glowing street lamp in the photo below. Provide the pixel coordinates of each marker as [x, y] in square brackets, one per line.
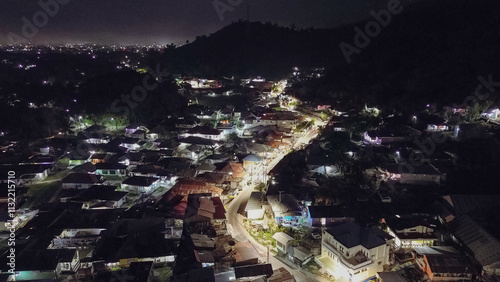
[116, 125]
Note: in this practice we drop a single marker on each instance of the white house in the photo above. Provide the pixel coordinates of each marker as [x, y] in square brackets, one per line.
[141, 184]
[204, 132]
[133, 144]
[95, 138]
[353, 253]
[111, 169]
[254, 208]
[493, 114]
[33, 173]
[283, 242]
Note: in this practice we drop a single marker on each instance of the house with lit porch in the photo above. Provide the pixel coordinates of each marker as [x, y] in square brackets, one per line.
[410, 231]
[141, 184]
[205, 132]
[285, 208]
[350, 252]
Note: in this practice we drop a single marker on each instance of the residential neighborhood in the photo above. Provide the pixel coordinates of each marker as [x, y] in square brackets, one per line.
[330, 141]
[257, 190]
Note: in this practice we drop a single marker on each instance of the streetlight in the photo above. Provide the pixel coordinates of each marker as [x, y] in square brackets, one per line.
[116, 126]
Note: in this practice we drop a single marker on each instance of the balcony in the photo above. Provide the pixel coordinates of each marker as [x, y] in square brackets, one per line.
[355, 262]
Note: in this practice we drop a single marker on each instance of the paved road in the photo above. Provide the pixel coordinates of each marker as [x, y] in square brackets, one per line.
[235, 218]
[236, 212]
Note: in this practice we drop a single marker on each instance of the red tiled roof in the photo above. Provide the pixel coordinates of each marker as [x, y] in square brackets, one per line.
[185, 187]
[236, 168]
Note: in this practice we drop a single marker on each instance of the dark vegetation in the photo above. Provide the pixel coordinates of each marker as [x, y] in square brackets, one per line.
[432, 52]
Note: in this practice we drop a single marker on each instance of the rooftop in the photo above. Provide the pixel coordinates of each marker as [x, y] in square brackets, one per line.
[282, 237]
[82, 178]
[252, 158]
[184, 187]
[140, 181]
[327, 211]
[253, 270]
[351, 234]
[205, 130]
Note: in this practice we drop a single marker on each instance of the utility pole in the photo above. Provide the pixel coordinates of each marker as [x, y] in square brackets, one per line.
[267, 253]
[280, 195]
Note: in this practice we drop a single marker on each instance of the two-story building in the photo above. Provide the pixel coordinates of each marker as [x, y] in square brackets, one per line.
[354, 253]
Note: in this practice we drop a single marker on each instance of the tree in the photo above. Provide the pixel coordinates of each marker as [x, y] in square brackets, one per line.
[474, 113]
[233, 137]
[261, 187]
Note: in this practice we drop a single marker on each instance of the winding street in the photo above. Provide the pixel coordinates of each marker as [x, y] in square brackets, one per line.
[235, 212]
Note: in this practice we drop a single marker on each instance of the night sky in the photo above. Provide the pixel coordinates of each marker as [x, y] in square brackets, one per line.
[167, 21]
